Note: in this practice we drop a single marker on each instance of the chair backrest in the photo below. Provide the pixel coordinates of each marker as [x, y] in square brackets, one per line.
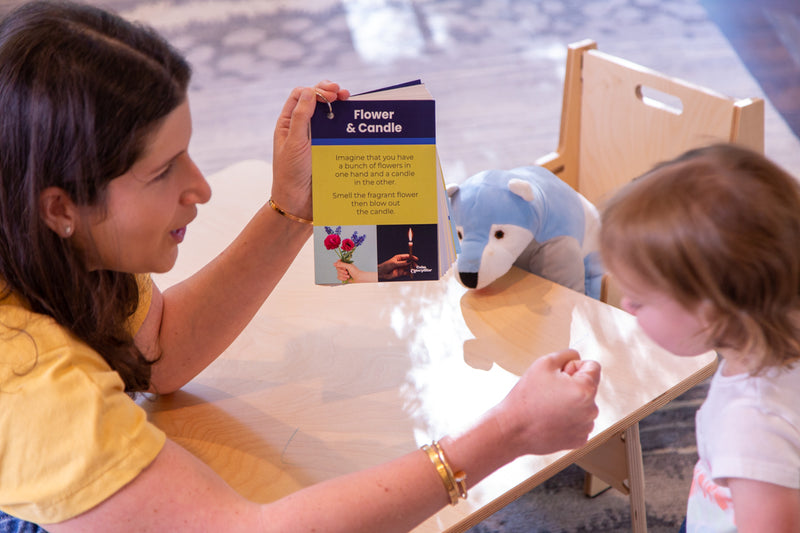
[619, 119]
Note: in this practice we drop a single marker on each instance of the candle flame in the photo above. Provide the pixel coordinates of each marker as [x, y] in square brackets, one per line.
[410, 235]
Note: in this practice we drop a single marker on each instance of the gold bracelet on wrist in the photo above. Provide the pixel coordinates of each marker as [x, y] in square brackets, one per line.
[290, 216]
[459, 478]
[454, 483]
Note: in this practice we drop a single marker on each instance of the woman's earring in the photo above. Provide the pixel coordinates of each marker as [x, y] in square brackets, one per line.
[67, 230]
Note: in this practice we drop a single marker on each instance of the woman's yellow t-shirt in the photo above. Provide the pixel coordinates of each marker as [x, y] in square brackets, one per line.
[69, 435]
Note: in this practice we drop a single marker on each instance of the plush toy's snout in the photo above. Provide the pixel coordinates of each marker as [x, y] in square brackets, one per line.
[469, 279]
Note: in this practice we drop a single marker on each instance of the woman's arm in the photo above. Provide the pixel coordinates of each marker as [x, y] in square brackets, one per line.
[551, 408]
[195, 320]
[760, 506]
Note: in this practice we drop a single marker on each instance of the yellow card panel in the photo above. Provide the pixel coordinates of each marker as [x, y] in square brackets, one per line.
[374, 184]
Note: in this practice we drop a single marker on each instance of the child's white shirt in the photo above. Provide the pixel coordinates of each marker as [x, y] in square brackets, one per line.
[748, 427]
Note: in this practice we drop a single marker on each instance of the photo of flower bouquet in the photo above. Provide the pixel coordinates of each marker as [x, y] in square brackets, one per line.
[344, 248]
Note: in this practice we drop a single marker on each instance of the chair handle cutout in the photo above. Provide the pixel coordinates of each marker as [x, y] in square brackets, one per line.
[659, 99]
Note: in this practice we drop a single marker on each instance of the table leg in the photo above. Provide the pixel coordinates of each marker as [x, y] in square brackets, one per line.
[618, 462]
[633, 449]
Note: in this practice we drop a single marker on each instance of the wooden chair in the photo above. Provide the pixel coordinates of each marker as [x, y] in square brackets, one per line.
[618, 120]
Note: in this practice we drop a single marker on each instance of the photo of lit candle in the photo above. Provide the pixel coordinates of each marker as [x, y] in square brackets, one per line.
[410, 249]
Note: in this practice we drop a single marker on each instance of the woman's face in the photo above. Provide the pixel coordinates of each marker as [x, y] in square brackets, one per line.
[147, 209]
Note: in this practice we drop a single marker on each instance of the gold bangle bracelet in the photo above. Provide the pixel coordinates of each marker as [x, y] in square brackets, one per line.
[447, 481]
[459, 478]
[290, 216]
[454, 484]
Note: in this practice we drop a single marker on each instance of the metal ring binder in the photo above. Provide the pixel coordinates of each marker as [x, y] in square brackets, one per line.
[330, 109]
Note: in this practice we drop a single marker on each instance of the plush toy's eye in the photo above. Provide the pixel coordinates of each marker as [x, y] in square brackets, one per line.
[499, 234]
[460, 234]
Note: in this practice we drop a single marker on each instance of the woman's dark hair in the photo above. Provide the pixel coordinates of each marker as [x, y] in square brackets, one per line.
[80, 91]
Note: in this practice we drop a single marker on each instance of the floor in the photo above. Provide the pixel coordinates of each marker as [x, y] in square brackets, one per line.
[495, 67]
[766, 36]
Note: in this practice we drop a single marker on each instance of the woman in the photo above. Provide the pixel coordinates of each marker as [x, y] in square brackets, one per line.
[97, 189]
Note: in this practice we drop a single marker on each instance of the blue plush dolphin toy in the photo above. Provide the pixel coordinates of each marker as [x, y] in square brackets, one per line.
[529, 218]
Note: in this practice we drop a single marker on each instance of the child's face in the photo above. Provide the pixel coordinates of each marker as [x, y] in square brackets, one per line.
[147, 208]
[662, 318]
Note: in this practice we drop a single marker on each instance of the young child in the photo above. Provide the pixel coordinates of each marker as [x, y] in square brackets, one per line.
[96, 191]
[706, 251]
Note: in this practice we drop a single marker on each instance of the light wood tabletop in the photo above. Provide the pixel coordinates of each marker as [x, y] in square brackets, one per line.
[329, 380]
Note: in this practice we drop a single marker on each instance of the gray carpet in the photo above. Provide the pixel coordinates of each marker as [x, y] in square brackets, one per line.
[495, 68]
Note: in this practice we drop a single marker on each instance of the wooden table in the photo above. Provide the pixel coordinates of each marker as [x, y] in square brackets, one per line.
[328, 380]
